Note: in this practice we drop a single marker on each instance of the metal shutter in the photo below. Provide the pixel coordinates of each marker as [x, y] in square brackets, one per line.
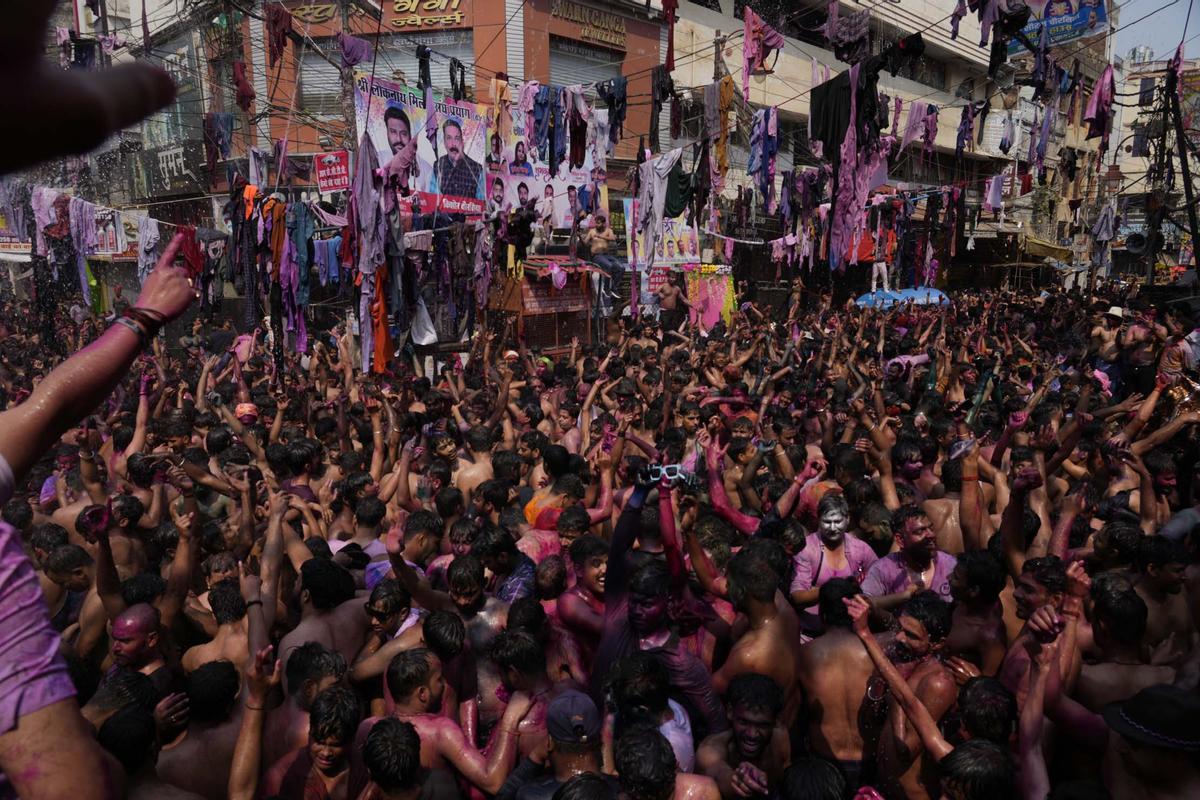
[574, 62]
[320, 87]
[398, 54]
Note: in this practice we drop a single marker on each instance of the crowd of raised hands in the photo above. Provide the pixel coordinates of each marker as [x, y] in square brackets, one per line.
[814, 552]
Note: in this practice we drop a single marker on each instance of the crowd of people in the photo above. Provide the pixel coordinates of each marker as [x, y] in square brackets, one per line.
[815, 552]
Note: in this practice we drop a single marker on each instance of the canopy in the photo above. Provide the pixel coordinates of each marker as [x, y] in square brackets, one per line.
[922, 297]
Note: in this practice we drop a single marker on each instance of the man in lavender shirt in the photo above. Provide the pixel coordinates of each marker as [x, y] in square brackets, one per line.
[919, 565]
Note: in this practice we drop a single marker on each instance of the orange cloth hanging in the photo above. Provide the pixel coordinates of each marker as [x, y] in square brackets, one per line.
[379, 320]
[248, 195]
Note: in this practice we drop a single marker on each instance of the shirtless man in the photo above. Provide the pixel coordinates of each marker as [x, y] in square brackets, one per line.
[198, 760]
[646, 769]
[320, 769]
[477, 469]
[415, 681]
[749, 758]
[1043, 582]
[135, 644]
[977, 633]
[943, 511]
[483, 616]
[311, 669]
[581, 608]
[1104, 344]
[924, 625]
[770, 646]
[1118, 617]
[672, 303]
[835, 671]
[521, 663]
[230, 644]
[1170, 629]
[329, 612]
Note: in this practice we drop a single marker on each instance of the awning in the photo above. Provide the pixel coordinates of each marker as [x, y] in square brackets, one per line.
[20, 258]
[1036, 247]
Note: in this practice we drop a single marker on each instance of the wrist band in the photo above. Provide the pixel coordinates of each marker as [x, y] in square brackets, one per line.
[135, 327]
[152, 321]
[970, 478]
[249, 707]
[254, 603]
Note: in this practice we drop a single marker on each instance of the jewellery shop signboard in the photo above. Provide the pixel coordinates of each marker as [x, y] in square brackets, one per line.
[170, 171]
[398, 15]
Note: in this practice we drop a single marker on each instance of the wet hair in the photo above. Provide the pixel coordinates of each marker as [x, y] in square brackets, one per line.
[979, 770]
[392, 755]
[556, 460]
[129, 736]
[988, 709]
[444, 634]
[390, 596]
[573, 519]
[985, 573]
[449, 501]
[526, 614]
[312, 661]
[17, 513]
[218, 562]
[1123, 537]
[212, 689]
[832, 501]
[506, 465]
[479, 439]
[143, 588]
[425, 522]
[652, 579]
[1159, 551]
[408, 671]
[328, 584]
[751, 577]
[48, 536]
[518, 649]
[587, 547]
[369, 511]
[773, 553]
[952, 475]
[226, 601]
[755, 692]
[813, 779]
[929, 610]
[67, 558]
[832, 610]
[1117, 605]
[465, 574]
[1048, 571]
[902, 515]
[493, 542]
[127, 508]
[639, 685]
[585, 786]
[550, 578]
[646, 764]
[334, 714]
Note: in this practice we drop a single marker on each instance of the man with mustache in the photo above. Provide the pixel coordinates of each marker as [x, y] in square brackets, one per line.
[750, 757]
[918, 565]
[456, 174]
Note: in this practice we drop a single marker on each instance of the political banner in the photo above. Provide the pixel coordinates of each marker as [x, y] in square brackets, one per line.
[518, 174]
[678, 248]
[451, 141]
[710, 294]
[332, 171]
[1068, 20]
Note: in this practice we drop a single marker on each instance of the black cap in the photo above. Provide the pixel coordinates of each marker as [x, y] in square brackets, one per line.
[572, 718]
[1159, 716]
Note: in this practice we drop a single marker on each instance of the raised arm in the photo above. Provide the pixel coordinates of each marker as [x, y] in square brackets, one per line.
[262, 675]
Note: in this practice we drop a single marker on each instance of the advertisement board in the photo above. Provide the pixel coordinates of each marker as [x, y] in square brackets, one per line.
[1068, 20]
[332, 171]
[451, 141]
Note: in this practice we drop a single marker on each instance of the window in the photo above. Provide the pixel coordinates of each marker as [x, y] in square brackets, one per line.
[1146, 91]
[320, 87]
[1141, 143]
[792, 132]
[181, 120]
[926, 70]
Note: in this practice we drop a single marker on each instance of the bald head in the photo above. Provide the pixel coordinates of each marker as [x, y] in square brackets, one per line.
[135, 636]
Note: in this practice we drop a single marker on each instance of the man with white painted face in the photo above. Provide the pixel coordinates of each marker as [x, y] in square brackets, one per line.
[831, 552]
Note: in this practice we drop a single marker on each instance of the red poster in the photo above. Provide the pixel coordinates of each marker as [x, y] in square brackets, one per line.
[333, 171]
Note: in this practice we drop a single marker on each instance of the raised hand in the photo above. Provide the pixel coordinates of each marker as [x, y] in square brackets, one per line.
[1027, 480]
[860, 613]
[263, 673]
[171, 716]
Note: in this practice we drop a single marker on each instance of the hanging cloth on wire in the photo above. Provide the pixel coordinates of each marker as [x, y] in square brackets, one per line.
[764, 144]
[458, 80]
[245, 92]
[670, 11]
[354, 50]
[279, 27]
[758, 42]
[613, 92]
[423, 80]
[501, 114]
[652, 195]
[662, 89]
[1099, 109]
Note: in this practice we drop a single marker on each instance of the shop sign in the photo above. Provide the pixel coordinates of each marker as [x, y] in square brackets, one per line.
[417, 14]
[595, 25]
[333, 171]
[316, 13]
[172, 170]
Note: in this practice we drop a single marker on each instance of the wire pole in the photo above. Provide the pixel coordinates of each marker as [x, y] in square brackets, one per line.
[347, 73]
[1181, 147]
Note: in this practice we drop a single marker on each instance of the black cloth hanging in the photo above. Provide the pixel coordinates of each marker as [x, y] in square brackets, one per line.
[424, 80]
